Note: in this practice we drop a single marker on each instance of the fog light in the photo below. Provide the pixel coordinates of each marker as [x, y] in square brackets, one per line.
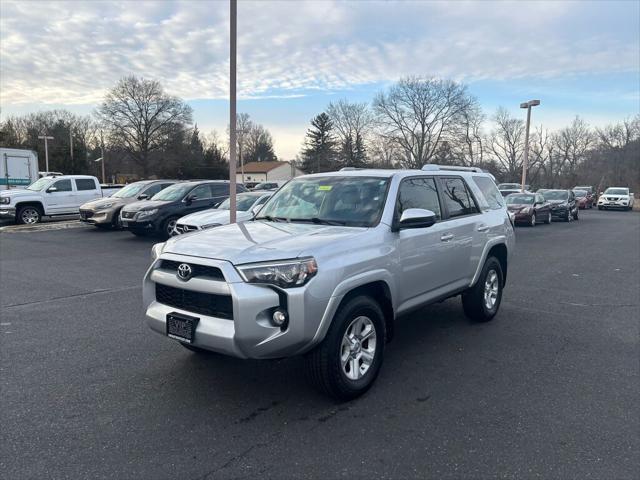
[279, 318]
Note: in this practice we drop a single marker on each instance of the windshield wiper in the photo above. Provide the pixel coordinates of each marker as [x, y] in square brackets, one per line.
[269, 218]
[319, 221]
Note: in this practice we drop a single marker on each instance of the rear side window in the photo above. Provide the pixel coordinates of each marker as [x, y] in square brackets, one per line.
[419, 193]
[457, 198]
[492, 196]
[85, 184]
[62, 186]
[219, 189]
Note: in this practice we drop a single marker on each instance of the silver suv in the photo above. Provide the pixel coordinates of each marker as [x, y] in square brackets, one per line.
[329, 263]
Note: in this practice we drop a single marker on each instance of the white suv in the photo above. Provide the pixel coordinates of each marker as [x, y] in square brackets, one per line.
[616, 197]
[329, 263]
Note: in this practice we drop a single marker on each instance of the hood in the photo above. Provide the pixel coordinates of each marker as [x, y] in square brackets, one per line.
[17, 192]
[212, 215]
[515, 207]
[105, 201]
[557, 202]
[260, 241]
[146, 205]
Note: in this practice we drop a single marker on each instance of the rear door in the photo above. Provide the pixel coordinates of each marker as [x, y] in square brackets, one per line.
[60, 198]
[464, 231]
[86, 190]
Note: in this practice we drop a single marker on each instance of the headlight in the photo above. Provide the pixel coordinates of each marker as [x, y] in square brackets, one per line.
[285, 274]
[156, 250]
[5, 200]
[147, 213]
[210, 225]
[105, 206]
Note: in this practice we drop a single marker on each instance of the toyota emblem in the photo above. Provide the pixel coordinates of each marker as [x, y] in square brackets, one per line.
[184, 272]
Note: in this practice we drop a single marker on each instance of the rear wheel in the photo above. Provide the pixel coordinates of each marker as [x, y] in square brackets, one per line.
[548, 219]
[28, 215]
[482, 301]
[349, 358]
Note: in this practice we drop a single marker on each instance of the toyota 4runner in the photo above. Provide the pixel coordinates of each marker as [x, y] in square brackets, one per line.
[329, 263]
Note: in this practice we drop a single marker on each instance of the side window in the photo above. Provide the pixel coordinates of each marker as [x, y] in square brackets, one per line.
[239, 188]
[63, 185]
[201, 192]
[490, 192]
[457, 198]
[262, 200]
[153, 189]
[85, 184]
[219, 189]
[419, 193]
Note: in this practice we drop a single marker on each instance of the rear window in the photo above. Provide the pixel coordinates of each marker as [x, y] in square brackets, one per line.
[85, 184]
[493, 199]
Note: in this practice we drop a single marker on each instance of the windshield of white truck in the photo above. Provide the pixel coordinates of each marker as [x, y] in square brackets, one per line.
[39, 184]
[351, 201]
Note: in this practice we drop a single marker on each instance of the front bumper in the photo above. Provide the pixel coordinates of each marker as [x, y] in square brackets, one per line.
[7, 212]
[146, 224]
[97, 217]
[613, 204]
[250, 334]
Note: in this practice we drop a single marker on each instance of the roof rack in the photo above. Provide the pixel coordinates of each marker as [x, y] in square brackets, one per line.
[434, 166]
[349, 169]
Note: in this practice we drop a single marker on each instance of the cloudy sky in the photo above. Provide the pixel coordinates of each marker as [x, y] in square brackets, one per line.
[578, 57]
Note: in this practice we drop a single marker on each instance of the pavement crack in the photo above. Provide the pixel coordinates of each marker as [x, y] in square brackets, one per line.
[77, 295]
[233, 459]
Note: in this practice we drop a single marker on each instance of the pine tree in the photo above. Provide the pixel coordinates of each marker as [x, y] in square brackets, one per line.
[319, 152]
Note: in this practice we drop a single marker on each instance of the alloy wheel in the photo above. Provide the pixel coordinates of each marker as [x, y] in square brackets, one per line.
[358, 347]
[491, 286]
[171, 226]
[29, 216]
[533, 219]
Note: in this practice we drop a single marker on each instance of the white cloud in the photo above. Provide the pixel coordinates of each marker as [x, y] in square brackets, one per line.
[70, 52]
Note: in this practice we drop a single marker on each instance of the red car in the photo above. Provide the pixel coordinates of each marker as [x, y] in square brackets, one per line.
[583, 199]
[529, 208]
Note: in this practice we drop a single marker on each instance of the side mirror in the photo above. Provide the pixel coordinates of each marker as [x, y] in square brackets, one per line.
[190, 198]
[416, 218]
[143, 196]
[52, 189]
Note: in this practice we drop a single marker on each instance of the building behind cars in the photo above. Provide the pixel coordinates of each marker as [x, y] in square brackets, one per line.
[257, 172]
[159, 215]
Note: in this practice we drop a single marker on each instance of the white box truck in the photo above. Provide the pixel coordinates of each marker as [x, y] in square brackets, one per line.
[18, 168]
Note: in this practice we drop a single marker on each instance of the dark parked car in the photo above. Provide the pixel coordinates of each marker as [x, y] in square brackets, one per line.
[509, 188]
[583, 199]
[563, 204]
[529, 208]
[158, 216]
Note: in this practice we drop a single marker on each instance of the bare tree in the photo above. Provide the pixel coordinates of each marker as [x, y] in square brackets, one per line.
[506, 143]
[571, 145]
[421, 112]
[467, 144]
[353, 123]
[140, 116]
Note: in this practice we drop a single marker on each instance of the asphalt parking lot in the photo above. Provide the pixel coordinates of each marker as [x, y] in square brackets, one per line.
[549, 389]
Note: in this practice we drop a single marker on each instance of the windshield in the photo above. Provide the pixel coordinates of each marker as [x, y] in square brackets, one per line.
[613, 191]
[173, 192]
[520, 199]
[509, 186]
[556, 195]
[39, 184]
[130, 190]
[580, 193]
[243, 203]
[352, 201]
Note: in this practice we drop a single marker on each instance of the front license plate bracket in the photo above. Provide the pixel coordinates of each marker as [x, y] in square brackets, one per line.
[181, 327]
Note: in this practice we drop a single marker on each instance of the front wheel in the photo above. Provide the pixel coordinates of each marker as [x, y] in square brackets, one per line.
[548, 219]
[349, 358]
[575, 215]
[168, 227]
[599, 207]
[28, 215]
[533, 220]
[482, 301]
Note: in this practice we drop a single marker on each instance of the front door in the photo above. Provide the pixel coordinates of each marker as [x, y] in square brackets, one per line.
[60, 198]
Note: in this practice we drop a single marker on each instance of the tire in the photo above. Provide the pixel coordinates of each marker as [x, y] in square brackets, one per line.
[532, 222]
[599, 207]
[575, 215]
[28, 215]
[167, 227]
[116, 224]
[140, 233]
[476, 306]
[325, 363]
[548, 219]
[568, 217]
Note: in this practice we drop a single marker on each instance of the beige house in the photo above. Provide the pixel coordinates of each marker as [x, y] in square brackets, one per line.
[267, 171]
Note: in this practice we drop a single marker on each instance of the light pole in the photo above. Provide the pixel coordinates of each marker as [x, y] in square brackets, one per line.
[525, 164]
[101, 159]
[233, 7]
[46, 149]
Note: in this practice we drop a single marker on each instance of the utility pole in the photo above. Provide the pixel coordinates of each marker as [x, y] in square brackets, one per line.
[46, 150]
[102, 152]
[233, 6]
[71, 149]
[525, 164]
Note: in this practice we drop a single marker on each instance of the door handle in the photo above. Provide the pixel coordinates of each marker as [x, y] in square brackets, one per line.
[446, 237]
[483, 228]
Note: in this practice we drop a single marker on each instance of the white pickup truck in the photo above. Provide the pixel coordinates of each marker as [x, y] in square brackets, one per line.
[49, 196]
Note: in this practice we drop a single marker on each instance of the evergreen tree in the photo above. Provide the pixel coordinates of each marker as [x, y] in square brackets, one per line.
[319, 152]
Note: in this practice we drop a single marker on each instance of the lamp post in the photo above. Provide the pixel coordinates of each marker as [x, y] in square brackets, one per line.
[101, 159]
[46, 149]
[525, 164]
[233, 7]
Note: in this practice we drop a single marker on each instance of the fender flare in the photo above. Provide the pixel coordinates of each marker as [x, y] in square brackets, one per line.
[500, 240]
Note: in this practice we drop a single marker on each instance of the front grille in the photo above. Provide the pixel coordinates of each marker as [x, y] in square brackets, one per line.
[195, 302]
[612, 199]
[128, 214]
[182, 228]
[196, 270]
[84, 214]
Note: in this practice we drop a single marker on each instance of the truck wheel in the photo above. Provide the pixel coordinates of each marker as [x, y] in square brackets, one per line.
[482, 301]
[348, 360]
[28, 215]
